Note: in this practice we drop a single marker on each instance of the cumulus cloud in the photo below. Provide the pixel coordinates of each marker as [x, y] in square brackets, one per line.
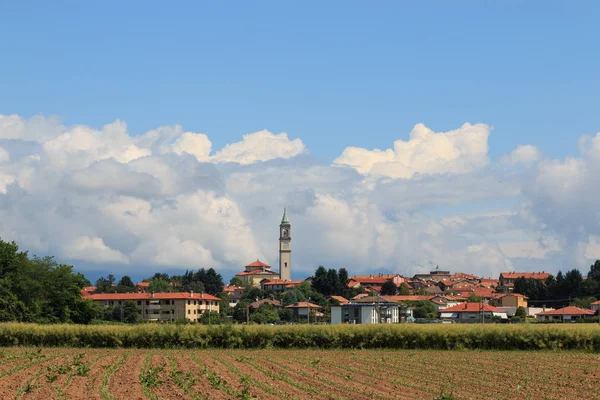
[523, 154]
[260, 146]
[426, 152]
[166, 199]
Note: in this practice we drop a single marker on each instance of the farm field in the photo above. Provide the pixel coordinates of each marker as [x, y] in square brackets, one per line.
[62, 373]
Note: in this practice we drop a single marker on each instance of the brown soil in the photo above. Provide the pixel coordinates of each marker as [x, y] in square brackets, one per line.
[10, 384]
[124, 382]
[88, 387]
[168, 389]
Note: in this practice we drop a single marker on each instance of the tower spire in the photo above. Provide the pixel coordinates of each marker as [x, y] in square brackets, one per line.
[284, 219]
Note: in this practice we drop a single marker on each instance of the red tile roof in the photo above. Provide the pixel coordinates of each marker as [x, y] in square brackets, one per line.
[303, 304]
[340, 299]
[596, 302]
[471, 307]
[462, 275]
[484, 292]
[526, 275]
[258, 263]
[282, 282]
[360, 296]
[407, 298]
[373, 279]
[570, 310]
[149, 296]
[142, 284]
[231, 288]
[256, 272]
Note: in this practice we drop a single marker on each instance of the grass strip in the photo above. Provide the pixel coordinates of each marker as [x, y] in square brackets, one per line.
[104, 388]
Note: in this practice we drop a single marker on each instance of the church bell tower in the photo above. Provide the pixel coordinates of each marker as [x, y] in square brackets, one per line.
[285, 248]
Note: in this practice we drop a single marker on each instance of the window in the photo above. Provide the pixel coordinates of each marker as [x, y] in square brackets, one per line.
[139, 302]
[120, 302]
[189, 311]
[147, 302]
[194, 311]
[189, 302]
[172, 302]
[194, 302]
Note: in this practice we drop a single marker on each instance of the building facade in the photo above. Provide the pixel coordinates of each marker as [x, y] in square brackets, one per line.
[161, 307]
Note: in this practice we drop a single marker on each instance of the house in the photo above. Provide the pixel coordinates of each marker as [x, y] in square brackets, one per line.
[275, 303]
[142, 286]
[401, 298]
[278, 285]
[376, 280]
[595, 305]
[255, 272]
[488, 283]
[340, 299]
[443, 302]
[507, 279]
[565, 314]
[511, 300]
[463, 276]
[367, 310]
[466, 312]
[304, 309]
[435, 275]
[162, 307]
[235, 294]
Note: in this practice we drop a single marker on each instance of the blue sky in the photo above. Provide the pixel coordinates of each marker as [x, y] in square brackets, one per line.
[333, 75]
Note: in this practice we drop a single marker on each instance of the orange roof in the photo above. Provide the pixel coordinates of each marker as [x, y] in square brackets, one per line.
[526, 275]
[373, 279]
[340, 299]
[570, 310]
[360, 296]
[282, 282]
[258, 263]
[484, 292]
[513, 294]
[256, 272]
[303, 304]
[89, 288]
[143, 284]
[596, 302]
[407, 298]
[352, 283]
[462, 275]
[471, 307]
[149, 296]
[231, 288]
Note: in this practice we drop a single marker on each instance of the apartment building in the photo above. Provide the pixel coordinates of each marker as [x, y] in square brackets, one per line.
[162, 307]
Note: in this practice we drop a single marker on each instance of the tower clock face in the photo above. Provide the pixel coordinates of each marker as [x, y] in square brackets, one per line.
[285, 233]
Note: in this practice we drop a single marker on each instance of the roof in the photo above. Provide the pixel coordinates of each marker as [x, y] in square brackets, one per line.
[526, 275]
[258, 303]
[513, 294]
[340, 299]
[142, 284]
[359, 296]
[471, 307]
[151, 296]
[89, 288]
[374, 299]
[256, 272]
[596, 302]
[374, 279]
[408, 298]
[232, 288]
[352, 283]
[258, 263]
[303, 304]
[484, 292]
[569, 310]
[462, 275]
[284, 219]
[282, 282]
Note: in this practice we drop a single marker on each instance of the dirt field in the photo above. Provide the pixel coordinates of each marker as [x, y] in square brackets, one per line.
[30, 373]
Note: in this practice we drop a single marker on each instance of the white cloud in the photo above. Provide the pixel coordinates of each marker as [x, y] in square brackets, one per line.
[164, 200]
[260, 146]
[523, 154]
[426, 152]
[93, 250]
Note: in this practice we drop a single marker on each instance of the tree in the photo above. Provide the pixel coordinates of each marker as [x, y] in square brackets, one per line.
[126, 312]
[210, 318]
[224, 308]
[264, 314]
[473, 298]
[583, 302]
[389, 288]
[403, 290]
[319, 282]
[285, 314]
[521, 312]
[235, 281]
[158, 285]
[126, 281]
[105, 285]
[240, 310]
[425, 309]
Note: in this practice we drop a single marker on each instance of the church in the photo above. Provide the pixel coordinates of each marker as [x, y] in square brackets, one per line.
[258, 271]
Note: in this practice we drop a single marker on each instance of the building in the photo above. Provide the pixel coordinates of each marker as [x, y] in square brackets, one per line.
[275, 303]
[595, 305]
[339, 299]
[255, 272]
[374, 281]
[278, 285]
[507, 279]
[565, 314]
[367, 310]
[471, 312]
[511, 300]
[162, 307]
[285, 248]
[304, 309]
[235, 294]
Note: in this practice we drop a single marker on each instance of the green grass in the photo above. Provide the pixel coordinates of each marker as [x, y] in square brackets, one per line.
[406, 336]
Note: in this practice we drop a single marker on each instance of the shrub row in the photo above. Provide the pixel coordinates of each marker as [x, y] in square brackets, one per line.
[407, 336]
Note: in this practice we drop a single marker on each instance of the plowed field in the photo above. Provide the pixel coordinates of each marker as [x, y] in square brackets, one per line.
[30, 373]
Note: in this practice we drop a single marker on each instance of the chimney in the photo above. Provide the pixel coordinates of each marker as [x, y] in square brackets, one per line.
[191, 293]
[152, 295]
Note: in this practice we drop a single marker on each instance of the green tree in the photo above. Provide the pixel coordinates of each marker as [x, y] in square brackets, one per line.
[224, 308]
[583, 302]
[126, 281]
[210, 318]
[285, 314]
[473, 298]
[425, 309]
[240, 310]
[389, 288]
[158, 285]
[266, 313]
[235, 281]
[403, 290]
[105, 285]
[521, 312]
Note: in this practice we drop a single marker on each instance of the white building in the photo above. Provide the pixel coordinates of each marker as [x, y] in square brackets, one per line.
[367, 310]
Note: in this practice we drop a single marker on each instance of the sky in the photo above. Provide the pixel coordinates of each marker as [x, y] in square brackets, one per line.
[141, 137]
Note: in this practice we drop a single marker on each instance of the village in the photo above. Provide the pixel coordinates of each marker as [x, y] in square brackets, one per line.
[439, 296]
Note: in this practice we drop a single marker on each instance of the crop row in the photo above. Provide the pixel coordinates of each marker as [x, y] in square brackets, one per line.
[407, 336]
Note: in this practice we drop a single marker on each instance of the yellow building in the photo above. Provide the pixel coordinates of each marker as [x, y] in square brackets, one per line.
[512, 300]
[255, 272]
[161, 307]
